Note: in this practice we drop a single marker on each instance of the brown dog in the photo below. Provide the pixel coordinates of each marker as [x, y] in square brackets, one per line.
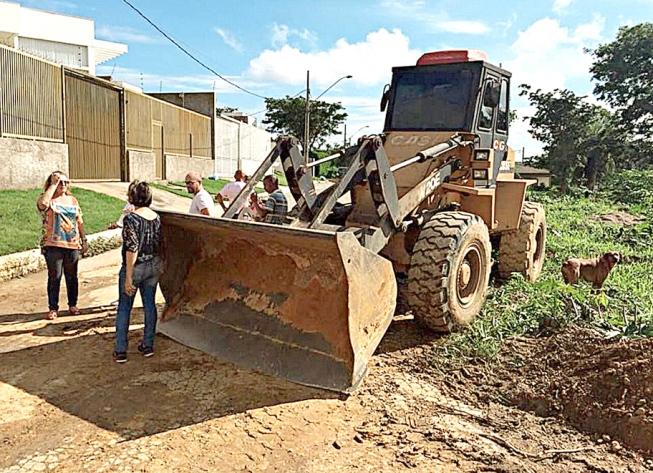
[593, 270]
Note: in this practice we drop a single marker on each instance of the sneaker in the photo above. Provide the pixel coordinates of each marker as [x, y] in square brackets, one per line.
[146, 351]
[120, 357]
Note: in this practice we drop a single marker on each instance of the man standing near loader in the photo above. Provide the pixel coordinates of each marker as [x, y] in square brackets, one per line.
[202, 202]
[274, 209]
[231, 190]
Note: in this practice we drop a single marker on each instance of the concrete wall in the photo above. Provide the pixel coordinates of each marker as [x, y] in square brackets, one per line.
[227, 147]
[255, 144]
[200, 102]
[178, 166]
[15, 265]
[27, 163]
[141, 165]
[238, 144]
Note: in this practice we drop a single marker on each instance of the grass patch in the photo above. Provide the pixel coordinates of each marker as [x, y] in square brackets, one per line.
[623, 308]
[212, 186]
[21, 222]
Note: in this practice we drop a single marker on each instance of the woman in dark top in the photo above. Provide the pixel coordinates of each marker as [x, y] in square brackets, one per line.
[141, 266]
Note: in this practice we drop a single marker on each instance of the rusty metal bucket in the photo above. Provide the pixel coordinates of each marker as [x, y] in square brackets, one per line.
[309, 306]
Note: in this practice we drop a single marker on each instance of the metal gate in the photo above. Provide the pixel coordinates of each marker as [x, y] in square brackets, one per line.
[93, 128]
[157, 149]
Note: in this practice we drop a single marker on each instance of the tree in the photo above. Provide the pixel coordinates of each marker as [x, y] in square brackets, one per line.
[560, 122]
[604, 146]
[286, 116]
[224, 110]
[623, 70]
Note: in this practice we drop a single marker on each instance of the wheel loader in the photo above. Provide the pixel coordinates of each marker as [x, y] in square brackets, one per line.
[423, 203]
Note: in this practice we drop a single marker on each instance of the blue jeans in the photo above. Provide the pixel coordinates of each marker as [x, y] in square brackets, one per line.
[61, 261]
[147, 288]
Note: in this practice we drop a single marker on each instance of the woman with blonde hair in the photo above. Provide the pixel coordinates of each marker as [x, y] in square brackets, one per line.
[63, 238]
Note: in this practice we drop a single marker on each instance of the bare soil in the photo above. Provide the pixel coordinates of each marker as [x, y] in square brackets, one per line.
[619, 218]
[65, 406]
[599, 386]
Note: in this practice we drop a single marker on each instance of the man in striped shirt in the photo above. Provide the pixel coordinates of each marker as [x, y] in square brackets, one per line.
[274, 209]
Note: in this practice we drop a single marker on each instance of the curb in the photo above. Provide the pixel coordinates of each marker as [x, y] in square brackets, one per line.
[16, 265]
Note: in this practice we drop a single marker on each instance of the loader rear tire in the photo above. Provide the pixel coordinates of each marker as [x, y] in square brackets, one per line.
[449, 271]
[522, 250]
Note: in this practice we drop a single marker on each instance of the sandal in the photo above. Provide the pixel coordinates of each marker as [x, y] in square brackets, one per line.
[74, 311]
[52, 315]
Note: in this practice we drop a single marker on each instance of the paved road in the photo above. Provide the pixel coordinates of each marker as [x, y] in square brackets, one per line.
[160, 199]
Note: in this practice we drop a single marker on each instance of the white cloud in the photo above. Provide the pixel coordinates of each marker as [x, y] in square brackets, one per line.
[229, 39]
[505, 26]
[281, 35]
[416, 11]
[124, 33]
[369, 61]
[560, 5]
[547, 55]
[175, 83]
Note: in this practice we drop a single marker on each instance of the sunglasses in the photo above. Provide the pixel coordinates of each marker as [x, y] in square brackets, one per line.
[64, 183]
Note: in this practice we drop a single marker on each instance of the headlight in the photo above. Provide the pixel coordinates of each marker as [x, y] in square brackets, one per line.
[480, 174]
[482, 155]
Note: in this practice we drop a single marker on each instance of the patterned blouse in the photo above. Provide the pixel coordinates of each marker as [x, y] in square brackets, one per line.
[141, 235]
[61, 221]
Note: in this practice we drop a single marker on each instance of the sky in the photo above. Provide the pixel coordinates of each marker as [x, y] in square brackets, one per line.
[266, 47]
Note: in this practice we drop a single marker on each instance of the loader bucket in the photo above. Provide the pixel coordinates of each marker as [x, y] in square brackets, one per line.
[309, 306]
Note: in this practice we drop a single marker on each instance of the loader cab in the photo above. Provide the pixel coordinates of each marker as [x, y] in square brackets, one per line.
[447, 92]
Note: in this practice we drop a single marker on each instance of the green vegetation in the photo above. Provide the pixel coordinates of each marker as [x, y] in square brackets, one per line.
[179, 188]
[286, 116]
[585, 143]
[213, 187]
[625, 305]
[21, 222]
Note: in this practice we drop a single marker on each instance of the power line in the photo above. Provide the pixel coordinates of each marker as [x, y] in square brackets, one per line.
[265, 109]
[173, 41]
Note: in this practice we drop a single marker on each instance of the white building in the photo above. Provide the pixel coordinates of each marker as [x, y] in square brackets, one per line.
[62, 39]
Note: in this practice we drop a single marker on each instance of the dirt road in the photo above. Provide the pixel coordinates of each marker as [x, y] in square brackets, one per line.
[65, 406]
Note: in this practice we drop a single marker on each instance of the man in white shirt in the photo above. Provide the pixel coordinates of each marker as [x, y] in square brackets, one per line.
[231, 190]
[202, 202]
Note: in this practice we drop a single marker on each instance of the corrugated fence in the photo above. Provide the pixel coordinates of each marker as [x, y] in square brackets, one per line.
[31, 97]
[34, 94]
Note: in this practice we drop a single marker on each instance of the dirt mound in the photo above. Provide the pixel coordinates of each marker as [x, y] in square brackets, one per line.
[619, 218]
[600, 386]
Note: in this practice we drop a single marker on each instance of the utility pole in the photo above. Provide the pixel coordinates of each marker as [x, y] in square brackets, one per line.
[344, 137]
[307, 114]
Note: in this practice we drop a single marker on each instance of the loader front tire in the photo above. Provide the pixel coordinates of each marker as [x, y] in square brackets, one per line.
[449, 271]
[522, 250]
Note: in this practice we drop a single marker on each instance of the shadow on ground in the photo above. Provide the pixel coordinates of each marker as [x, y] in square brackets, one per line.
[177, 387]
[405, 333]
[24, 317]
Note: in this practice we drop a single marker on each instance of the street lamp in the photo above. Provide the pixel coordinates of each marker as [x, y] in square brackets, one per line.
[308, 110]
[349, 76]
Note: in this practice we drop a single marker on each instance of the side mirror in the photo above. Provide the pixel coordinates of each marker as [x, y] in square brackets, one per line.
[385, 97]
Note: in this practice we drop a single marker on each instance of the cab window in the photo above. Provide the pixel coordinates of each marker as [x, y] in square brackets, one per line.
[503, 112]
[487, 108]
